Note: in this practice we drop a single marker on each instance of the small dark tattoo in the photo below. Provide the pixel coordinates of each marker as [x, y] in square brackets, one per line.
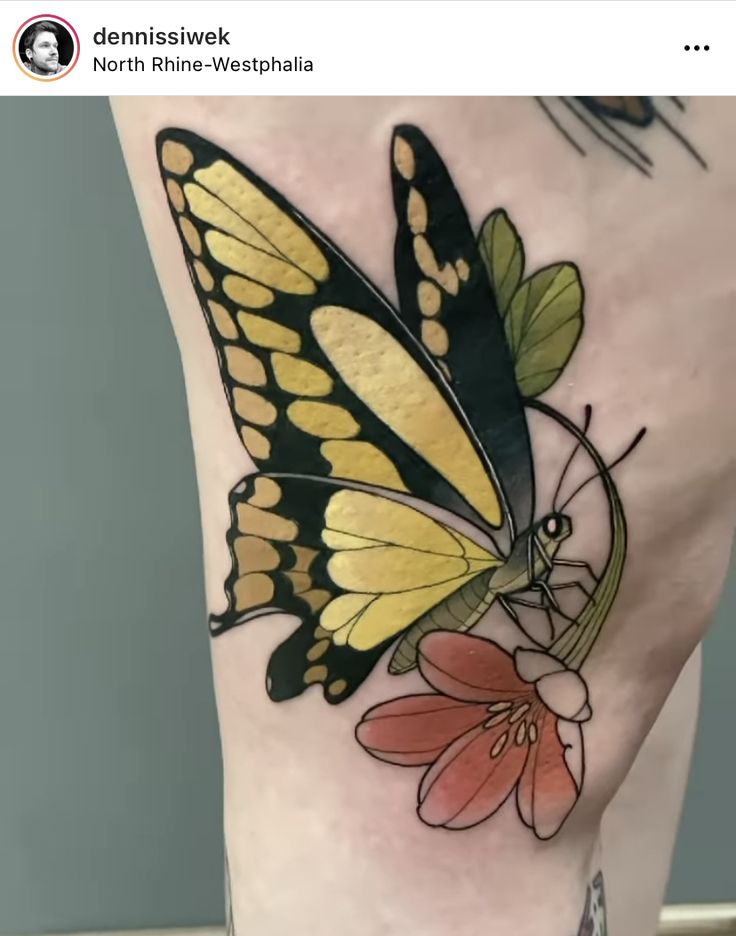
[593, 922]
[620, 123]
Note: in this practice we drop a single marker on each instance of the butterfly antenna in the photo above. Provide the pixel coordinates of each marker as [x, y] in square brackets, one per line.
[596, 132]
[617, 461]
[573, 453]
[682, 139]
[574, 143]
[678, 103]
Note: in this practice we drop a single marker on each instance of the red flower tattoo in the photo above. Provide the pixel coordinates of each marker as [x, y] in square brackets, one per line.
[495, 723]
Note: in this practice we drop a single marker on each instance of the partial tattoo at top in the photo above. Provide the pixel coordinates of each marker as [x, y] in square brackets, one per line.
[363, 420]
[621, 124]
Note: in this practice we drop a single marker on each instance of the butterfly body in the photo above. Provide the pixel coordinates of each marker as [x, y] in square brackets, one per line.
[527, 566]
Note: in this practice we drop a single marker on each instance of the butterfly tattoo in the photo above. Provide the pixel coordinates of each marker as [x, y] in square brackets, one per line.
[394, 498]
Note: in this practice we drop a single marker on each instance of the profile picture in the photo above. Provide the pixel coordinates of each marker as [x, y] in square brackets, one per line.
[46, 47]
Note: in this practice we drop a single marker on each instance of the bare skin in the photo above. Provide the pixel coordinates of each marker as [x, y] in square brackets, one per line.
[319, 837]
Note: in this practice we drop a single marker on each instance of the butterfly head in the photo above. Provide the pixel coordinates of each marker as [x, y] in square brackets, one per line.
[554, 528]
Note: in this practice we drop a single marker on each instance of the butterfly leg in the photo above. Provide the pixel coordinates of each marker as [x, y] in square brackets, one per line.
[546, 589]
[577, 564]
[506, 605]
[575, 584]
[537, 606]
[548, 592]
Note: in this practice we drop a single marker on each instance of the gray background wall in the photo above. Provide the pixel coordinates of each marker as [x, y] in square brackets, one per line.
[109, 762]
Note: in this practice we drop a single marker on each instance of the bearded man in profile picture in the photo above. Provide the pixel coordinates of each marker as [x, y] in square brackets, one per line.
[41, 49]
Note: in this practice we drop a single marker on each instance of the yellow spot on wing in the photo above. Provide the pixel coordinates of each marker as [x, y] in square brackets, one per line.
[259, 522]
[252, 589]
[191, 236]
[247, 200]
[398, 391]
[255, 554]
[223, 321]
[266, 493]
[416, 212]
[247, 292]
[300, 377]
[316, 598]
[325, 420]
[362, 461]
[337, 687]
[384, 616]
[429, 298]
[315, 674]
[386, 569]
[317, 650]
[336, 540]
[176, 157]
[176, 196]
[445, 275]
[267, 334]
[343, 609]
[253, 407]
[404, 158]
[303, 557]
[255, 442]
[203, 275]
[244, 366]
[434, 337]
[258, 265]
[383, 520]
[463, 270]
[300, 581]
[211, 210]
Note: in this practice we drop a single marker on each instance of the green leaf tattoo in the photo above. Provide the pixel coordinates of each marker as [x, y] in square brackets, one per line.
[543, 325]
[543, 316]
[502, 253]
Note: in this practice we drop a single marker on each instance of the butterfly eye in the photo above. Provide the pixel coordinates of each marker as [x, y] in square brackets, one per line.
[552, 525]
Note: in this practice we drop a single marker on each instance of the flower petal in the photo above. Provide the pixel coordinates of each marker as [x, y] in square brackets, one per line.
[585, 714]
[415, 730]
[548, 788]
[469, 668]
[531, 665]
[565, 693]
[571, 737]
[466, 785]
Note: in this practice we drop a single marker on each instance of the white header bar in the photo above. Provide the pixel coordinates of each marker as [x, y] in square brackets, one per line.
[436, 47]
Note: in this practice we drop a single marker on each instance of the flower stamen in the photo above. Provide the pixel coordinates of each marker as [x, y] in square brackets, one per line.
[521, 733]
[500, 707]
[499, 745]
[496, 720]
[532, 733]
[519, 713]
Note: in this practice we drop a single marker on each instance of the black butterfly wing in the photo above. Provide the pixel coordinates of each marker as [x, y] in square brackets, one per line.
[323, 378]
[321, 374]
[446, 300]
